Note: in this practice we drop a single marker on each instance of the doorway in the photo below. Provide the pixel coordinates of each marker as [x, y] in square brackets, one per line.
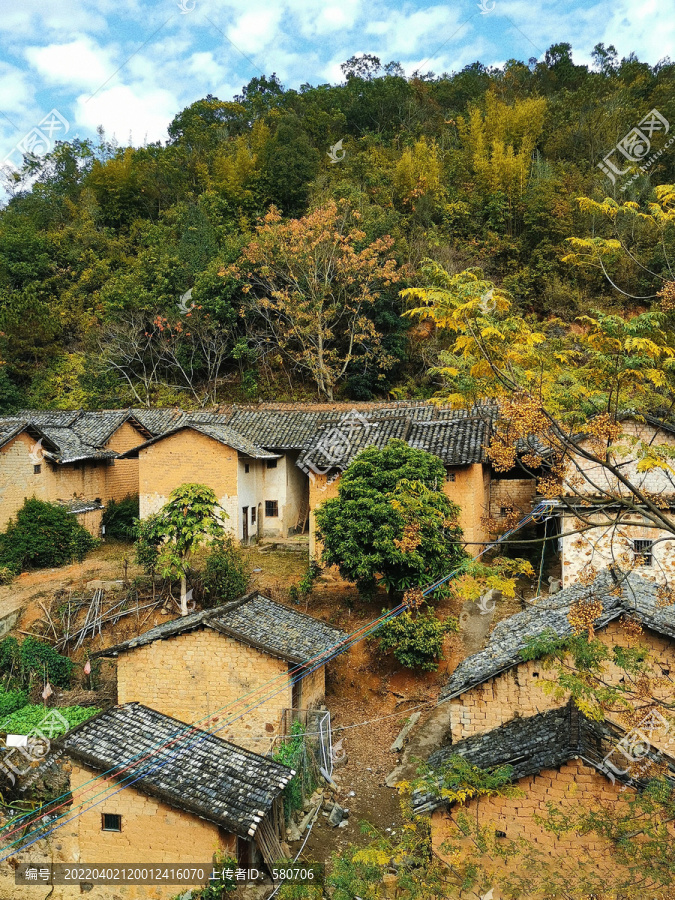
[244, 518]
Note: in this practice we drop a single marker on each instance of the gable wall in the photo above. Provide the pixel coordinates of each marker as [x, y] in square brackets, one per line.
[188, 457]
[192, 675]
[519, 692]
[152, 832]
[566, 788]
[122, 477]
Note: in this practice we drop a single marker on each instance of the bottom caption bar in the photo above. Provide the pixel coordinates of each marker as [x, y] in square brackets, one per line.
[162, 873]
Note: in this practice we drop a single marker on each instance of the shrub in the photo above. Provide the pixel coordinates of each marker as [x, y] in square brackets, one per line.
[226, 574]
[119, 518]
[10, 701]
[33, 659]
[417, 643]
[42, 535]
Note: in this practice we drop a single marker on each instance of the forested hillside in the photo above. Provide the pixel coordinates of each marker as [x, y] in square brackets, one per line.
[246, 259]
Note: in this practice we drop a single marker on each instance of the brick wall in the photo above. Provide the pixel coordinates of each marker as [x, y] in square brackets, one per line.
[122, 477]
[519, 691]
[19, 482]
[152, 832]
[193, 675]
[188, 457]
[511, 493]
[313, 689]
[567, 787]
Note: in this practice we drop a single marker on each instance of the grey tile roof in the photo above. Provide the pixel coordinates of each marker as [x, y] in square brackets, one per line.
[544, 741]
[185, 767]
[255, 620]
[637, 597]
[76, 506]
[217, 432]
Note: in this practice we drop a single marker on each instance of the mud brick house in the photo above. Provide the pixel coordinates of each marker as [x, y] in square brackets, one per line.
[202, 663]
[496, 685]
[557, 757]
[635, 539]
[70, 458]
[272, 465]
[186, 793]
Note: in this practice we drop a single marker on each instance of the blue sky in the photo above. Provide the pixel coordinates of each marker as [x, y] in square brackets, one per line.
[131, 65]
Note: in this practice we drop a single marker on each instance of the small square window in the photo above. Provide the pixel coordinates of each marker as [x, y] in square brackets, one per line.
[450, 476]
[37, 468]
[271, 508]
[644, 549]
[247, 468]
[272, 463]
[505, 511]
[111, 822]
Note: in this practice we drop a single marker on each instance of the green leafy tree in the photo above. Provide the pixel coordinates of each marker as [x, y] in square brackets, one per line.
[416, 639]
[391, 521]
[169, 538]
[43, 534]
[226, 573]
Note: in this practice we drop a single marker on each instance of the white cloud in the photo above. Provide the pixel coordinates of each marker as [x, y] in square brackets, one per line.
[129, 110]
[79, 64]
[255, 29]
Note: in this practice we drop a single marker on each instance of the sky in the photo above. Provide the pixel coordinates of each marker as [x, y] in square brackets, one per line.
[69, 66]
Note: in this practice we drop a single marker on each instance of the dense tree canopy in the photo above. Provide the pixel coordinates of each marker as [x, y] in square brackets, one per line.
[472, 169]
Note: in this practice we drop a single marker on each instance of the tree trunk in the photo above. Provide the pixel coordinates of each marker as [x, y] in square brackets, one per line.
[183, 595]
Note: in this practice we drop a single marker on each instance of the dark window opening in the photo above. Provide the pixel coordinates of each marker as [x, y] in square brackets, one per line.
[37, 468]
[500, 834]
[271, 508]
[535, 674]
[111, 822]
[450, 476]
[644, 549]
[272, 463]
[253, 511]
[247, 468]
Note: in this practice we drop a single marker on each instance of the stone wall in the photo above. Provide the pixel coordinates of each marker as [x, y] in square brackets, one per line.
[600, 547]
[192, 676]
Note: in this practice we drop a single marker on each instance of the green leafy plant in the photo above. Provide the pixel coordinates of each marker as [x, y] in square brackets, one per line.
[28, 717]
[10, 701]
[226, 573]
[119, 518]
[415, 640]
[167, 540]
[291, 753]
[32, 659]
[42, 535]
